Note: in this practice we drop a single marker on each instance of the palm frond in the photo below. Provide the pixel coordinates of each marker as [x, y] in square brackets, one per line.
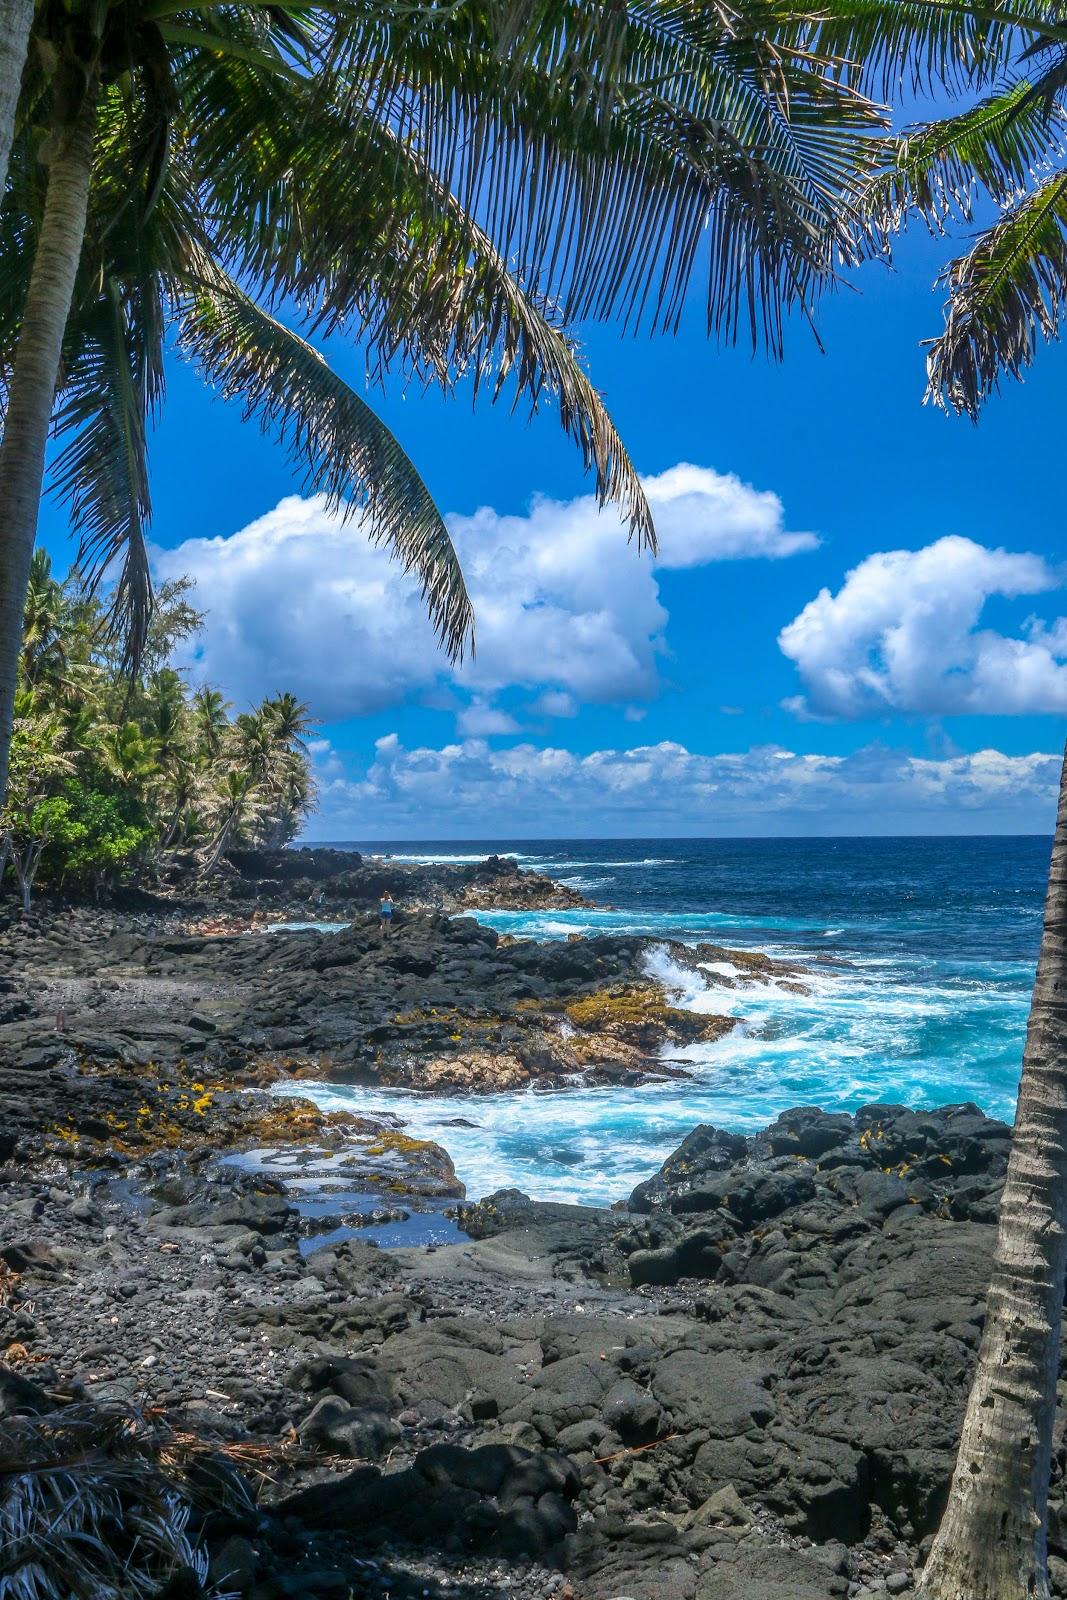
[453, 306]
[1005, 297]
[927, 44]
[348, 453]
[996, 145]
[88, 1509]
[113, 383]
[607, 183]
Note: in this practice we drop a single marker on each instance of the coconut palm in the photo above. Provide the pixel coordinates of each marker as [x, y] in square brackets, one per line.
[291, 720]
[166, 716]
[1002, 1471]
[240, 804]
[40, 756]
[210, 720]
[1001, 154]
[44, 641]
[452, 183]
[16, 19]
[1005, 148]
[130, 753]
[268, 744]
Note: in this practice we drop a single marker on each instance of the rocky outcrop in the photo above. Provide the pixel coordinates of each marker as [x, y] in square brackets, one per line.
[746, 1381]
[780, 1418]
[949, 1162]
[438, 1003]
[337, 883]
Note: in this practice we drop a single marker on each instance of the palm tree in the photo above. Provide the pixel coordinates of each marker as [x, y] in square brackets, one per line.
[1003, 149]
[44, 646]
[211, 719]
[290, 719]
[183, 785]
[1005, 295]
[268, 744]
[16, 19]
[131, 756]
[239, 803]
[253, 743]
[288, 780]
[1002, 1471]
[456, 182]
[166, 716]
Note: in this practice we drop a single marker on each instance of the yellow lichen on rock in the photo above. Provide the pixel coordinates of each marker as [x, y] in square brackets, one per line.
[640, 1014]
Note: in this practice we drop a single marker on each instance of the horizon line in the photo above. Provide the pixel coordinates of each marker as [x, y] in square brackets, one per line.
[656, 838]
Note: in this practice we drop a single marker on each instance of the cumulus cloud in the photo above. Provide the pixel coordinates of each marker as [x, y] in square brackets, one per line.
[481, 718]
[565, 608]
[666, 788]
[706, 516]
[902, 634]
[556, 703]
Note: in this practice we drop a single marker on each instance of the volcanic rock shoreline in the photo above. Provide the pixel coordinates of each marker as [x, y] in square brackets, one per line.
[746, 1380]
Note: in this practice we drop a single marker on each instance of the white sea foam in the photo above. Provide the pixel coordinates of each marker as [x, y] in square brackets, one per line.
[445, 859]
[558, 924]
[866, 1024]
[643, 861]
[303, 927]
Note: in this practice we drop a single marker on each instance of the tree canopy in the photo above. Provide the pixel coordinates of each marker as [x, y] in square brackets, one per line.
[110, 772]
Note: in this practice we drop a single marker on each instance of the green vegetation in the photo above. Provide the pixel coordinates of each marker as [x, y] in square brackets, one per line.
[109, 771]
[997, 159]
[458, 183]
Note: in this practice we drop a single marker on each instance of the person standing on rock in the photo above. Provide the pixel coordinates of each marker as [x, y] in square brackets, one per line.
[385, 912]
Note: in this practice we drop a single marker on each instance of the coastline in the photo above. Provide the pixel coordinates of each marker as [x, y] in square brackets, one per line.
[747, 1381]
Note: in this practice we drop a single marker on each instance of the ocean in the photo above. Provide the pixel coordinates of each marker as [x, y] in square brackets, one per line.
[921, 955]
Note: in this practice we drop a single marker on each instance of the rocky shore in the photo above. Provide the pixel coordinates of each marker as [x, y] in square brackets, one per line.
[745, 1382]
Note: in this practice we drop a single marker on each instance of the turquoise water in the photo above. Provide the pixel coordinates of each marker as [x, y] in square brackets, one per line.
[920, 956]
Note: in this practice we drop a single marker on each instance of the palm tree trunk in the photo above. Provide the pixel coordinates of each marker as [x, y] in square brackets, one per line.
[172, 828]
[992, 1541]
[33, 386]
[218, 847]
[16, 18]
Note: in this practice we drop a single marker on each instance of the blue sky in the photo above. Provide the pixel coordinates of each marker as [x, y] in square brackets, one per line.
[611, 697]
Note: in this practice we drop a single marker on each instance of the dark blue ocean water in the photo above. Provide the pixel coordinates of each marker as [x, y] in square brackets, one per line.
[920, 956]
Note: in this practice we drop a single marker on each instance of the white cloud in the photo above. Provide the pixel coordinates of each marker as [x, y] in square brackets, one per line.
[665, 788]
[706, 516]
[566, 609]
[555, 703]
[328, 763]
[902, 634]
[481, 718]
[295, 601]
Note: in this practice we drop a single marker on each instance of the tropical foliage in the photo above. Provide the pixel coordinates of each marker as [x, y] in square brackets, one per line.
[451, 183]
[97, 1501]
[110, 772]
[998, 159]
